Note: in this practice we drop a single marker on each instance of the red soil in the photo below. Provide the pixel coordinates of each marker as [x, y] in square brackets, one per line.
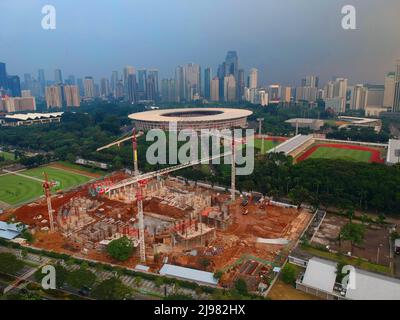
[375, 154]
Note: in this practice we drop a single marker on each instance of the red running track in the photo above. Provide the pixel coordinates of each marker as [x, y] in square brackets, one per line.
[375, 154]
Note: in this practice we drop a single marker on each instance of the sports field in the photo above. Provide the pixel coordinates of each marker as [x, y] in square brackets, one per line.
[343, 152]
[7, 155]
[269, 143]
[15, 189]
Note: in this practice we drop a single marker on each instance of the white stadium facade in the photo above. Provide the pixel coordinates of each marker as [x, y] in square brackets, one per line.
[191, 118]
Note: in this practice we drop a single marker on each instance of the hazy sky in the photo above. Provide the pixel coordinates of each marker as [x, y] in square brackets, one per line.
[284, 39]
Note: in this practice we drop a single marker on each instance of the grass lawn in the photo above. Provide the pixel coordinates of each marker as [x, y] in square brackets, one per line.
[16, 189]
[268, 144]
[7, 155]
[283, 291]
[344, 154]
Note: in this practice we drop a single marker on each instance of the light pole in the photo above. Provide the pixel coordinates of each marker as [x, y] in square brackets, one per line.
[260, 120]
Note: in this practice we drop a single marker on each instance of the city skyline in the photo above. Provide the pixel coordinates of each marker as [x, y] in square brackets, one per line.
[276, 55]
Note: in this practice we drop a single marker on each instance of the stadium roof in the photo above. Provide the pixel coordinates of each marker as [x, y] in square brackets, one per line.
[292, 144]
[10, 231]
[192, 114]
[320, 274]
[188, 273]
[33, 116]
[393, 154]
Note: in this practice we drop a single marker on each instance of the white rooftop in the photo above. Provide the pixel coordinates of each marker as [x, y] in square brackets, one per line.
[188, 273]
[320, 274]
[33, 116]
[393, 154]
[372, 286]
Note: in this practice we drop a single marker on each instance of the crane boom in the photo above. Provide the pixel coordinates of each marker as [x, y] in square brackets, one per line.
[117, 143]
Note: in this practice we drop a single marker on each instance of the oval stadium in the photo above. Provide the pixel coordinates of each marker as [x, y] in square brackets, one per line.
[191, 118]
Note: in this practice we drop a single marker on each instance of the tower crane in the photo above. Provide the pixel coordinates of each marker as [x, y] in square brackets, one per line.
[47, 192]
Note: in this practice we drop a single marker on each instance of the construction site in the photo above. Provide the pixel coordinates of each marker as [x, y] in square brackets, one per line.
[169, 220]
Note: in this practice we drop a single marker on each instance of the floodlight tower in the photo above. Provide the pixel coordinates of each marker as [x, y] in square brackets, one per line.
[260, 121]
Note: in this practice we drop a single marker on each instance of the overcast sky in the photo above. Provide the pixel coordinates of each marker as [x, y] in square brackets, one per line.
[284, 39]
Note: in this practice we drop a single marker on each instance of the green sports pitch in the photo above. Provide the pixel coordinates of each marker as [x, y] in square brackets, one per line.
[16, 189]
[344, 154]
[268, 144]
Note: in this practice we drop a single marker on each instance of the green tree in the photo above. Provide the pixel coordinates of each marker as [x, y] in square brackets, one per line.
[120, 249]
[353, 232]
[9, 263]
[111, 289]
[288, 274]
[241, 286]
[81, 278]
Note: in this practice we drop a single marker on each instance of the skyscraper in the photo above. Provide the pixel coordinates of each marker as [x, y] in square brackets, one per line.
[207, 83]
[71, 80]
[232, 63]
[58, 79]
[229, 88]
[104, 88]
[142, 84]
[310, 81]
[42, 82]
[127, 71]
[114, 83]
[53, 97]
[168, 90]
[131, 86]
[252, 81]
[3, 76]
[388, 98]
[214, 92]
[88, 84]
[193, 81]
[396, 100]
[241, 84]
[358, 95]
[153, 92]
[14, 86]
[72, 97]
[180, 83]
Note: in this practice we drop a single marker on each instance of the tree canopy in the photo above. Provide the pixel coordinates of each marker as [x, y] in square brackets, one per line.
[120, 249]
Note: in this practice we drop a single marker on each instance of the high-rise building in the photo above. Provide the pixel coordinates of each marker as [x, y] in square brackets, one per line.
[374, 95]
[131, 85]
[89, 90]
[168, 90]
[252, 81]
[357, 100]
[152, 89]
[42, 82]
[58, 79]
[152, 78]
[286, 94]
[310, 81]
[222, 72]
[81, 87]
[53, 97]
[232, 63]
[388, 98]
[114, 82]
[340, 88]
[214, 90]
[3, 76]
[207, 83]
[274, 93]
[72, 97]
[127, 71]
[142, 84]
[193, 81]
[104, 88]
[14, 86]
[396, 100]
[229, 88]
[180, 83]
[240, 84]
[17, 104]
